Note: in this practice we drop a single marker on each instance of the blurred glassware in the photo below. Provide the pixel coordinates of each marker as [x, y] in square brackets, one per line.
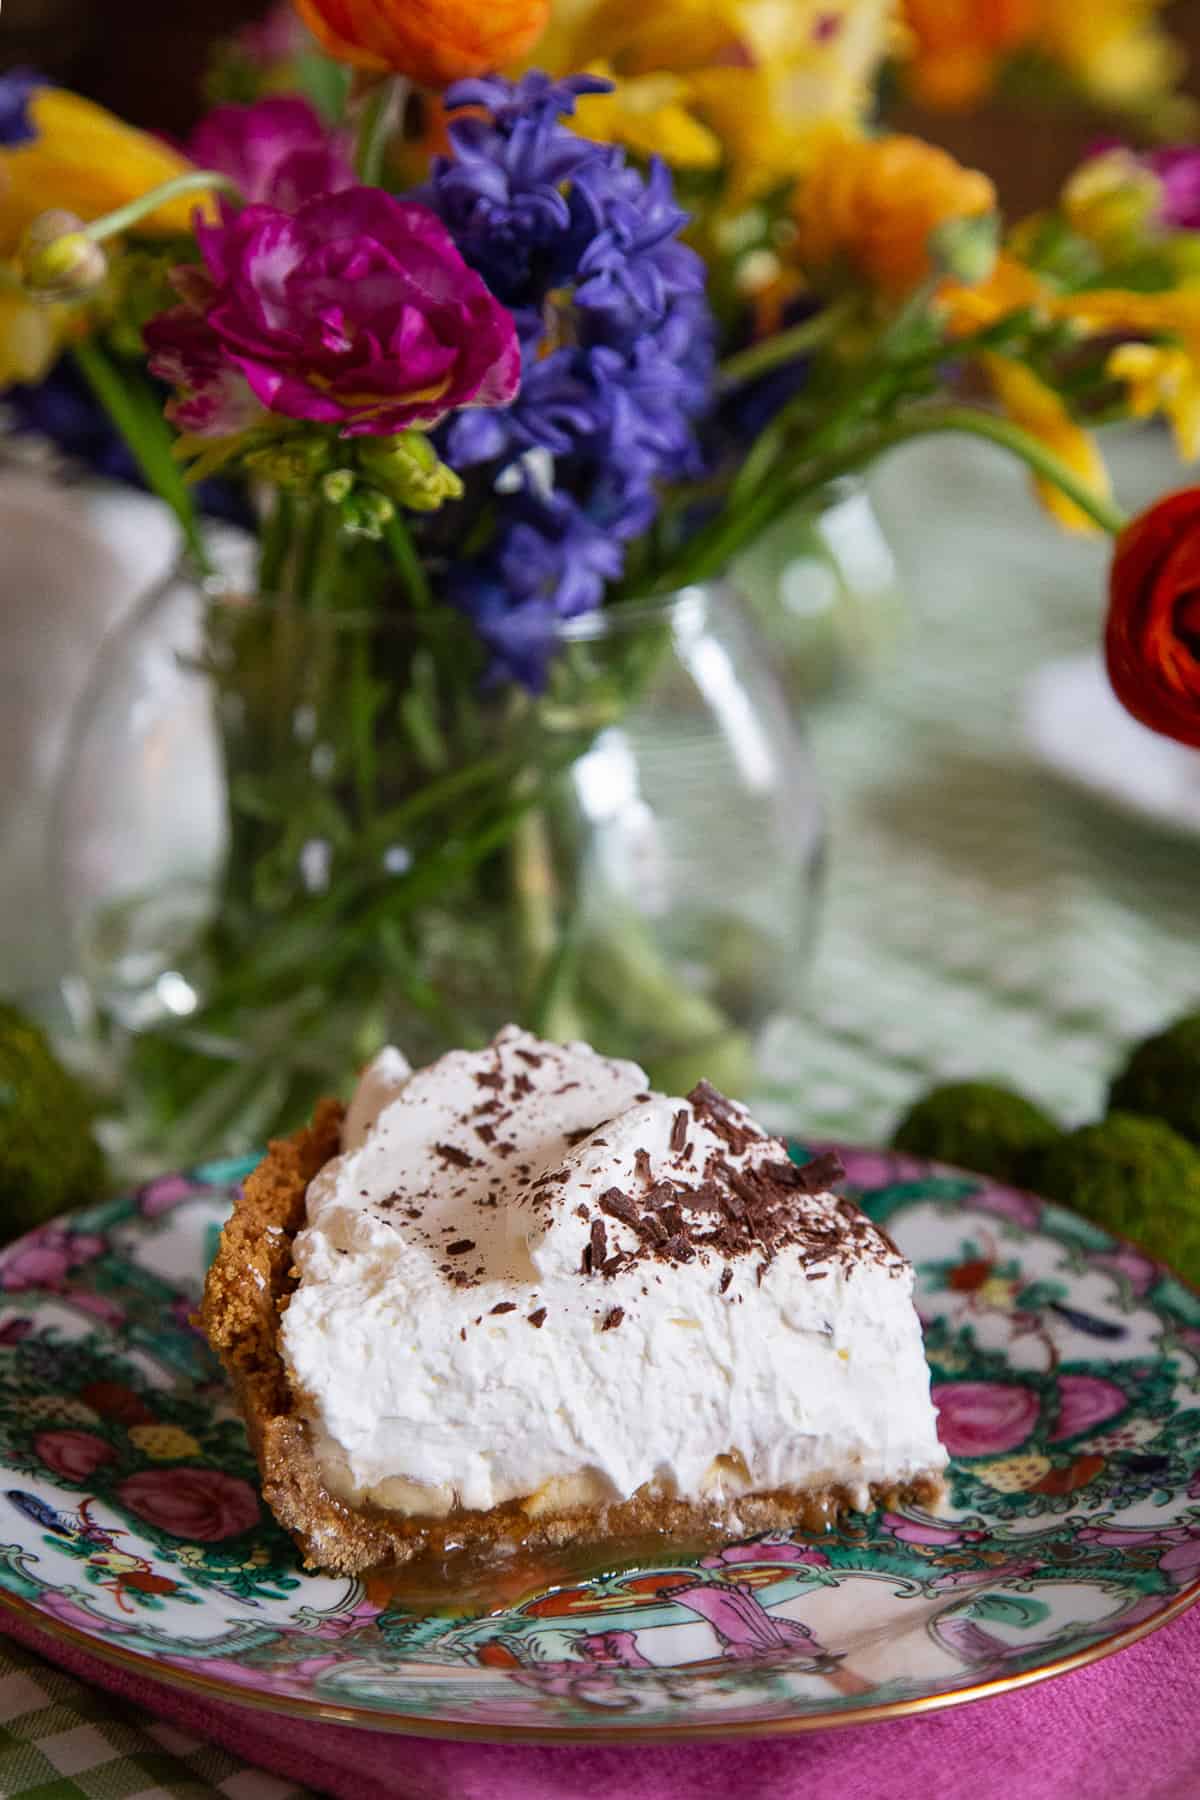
[824, 590]
[75, 559]
[282, 843]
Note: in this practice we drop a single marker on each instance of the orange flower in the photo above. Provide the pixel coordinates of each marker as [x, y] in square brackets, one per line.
[873, 204]
[433, 42]
[957, 44]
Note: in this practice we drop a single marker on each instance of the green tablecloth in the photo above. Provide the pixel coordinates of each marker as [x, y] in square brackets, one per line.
[980, 918]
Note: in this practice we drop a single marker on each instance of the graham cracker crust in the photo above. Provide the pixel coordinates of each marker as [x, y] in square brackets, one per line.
[247, 1290]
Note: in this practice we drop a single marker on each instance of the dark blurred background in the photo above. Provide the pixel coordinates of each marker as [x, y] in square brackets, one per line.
[145, 59]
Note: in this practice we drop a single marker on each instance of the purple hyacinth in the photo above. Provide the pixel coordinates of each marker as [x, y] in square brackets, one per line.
[617, 355]
[17, 88]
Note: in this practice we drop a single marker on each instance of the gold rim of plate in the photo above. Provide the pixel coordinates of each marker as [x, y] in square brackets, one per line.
[365, 1719]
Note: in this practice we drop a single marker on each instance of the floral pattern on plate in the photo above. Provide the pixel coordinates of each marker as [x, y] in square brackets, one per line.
[1066, 1369]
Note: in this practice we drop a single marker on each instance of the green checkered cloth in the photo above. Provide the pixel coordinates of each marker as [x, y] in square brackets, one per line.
[60, 1740]
[980, 919]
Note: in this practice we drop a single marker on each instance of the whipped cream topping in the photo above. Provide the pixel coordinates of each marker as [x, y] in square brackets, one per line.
[528, 1277]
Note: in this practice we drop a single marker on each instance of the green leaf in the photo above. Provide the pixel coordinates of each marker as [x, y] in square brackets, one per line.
[325, 82]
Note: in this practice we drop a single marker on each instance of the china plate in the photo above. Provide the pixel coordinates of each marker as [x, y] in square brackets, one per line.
[1077, 728]
[1066, 1367]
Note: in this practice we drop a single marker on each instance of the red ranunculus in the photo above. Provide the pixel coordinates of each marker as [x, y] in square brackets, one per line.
[1152, 641]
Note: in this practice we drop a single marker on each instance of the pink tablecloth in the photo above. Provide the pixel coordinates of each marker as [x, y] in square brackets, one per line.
[1126, 1729]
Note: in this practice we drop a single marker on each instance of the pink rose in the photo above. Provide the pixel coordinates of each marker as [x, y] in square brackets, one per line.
[981, 1418]
[1083, 1402]
[158, 1197]
[356, 310]
[75, 1455]
[202, 1505]
[46, 1257]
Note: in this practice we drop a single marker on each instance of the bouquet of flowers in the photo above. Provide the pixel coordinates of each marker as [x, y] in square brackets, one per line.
[494, 361]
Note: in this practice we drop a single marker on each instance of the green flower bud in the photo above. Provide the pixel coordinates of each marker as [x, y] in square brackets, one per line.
[966, 248]
[295, 464]
[1112, 201]
[408, 468]
[366, 513]
[337, 485]
[58, 260]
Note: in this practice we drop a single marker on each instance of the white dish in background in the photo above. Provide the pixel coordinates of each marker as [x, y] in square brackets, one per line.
[1075, 726]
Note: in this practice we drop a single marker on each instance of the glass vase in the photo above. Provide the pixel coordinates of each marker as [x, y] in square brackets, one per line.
[824, 591]
[287, 836]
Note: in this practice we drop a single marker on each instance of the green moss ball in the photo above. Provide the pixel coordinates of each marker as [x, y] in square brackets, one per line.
[49, 1160]
[978, 1125]
[1134, 1176]
[1162, 1078]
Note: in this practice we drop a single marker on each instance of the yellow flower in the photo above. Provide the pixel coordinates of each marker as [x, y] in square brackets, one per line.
[750, 83]
[32, 334]
[86, 161]
[1011, 287]
[1116, 49]
[873, 204]
[1039, 410]
[1162, 378]
[164, 1443]
[650, 115]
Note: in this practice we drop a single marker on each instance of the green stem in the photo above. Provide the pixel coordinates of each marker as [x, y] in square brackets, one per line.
[713, 549]
[276, 541]
[974, 422]
[137, 415]
[378, 122]
[399, 541]
[784, 346]
[196, 181]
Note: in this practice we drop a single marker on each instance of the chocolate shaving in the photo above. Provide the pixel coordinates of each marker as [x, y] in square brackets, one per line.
[613, 1318]
[485, 1133]
[577, 1136]
[537, 1319]
[726, 1278]
[532, 1058]
[679, 1249]
[618, 1206]
[641, 1167]
[614, 1263]
[522, 1086]
[599, 1243]
[458, 1159]
[820, 1173]
[460, 1246]
[651, 1226]
[503, 1306]
[679, 1130]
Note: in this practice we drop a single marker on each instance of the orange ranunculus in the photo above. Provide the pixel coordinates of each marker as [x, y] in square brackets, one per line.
[433, 42]
[873, 204]
[1152, 639]
[956, 45]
